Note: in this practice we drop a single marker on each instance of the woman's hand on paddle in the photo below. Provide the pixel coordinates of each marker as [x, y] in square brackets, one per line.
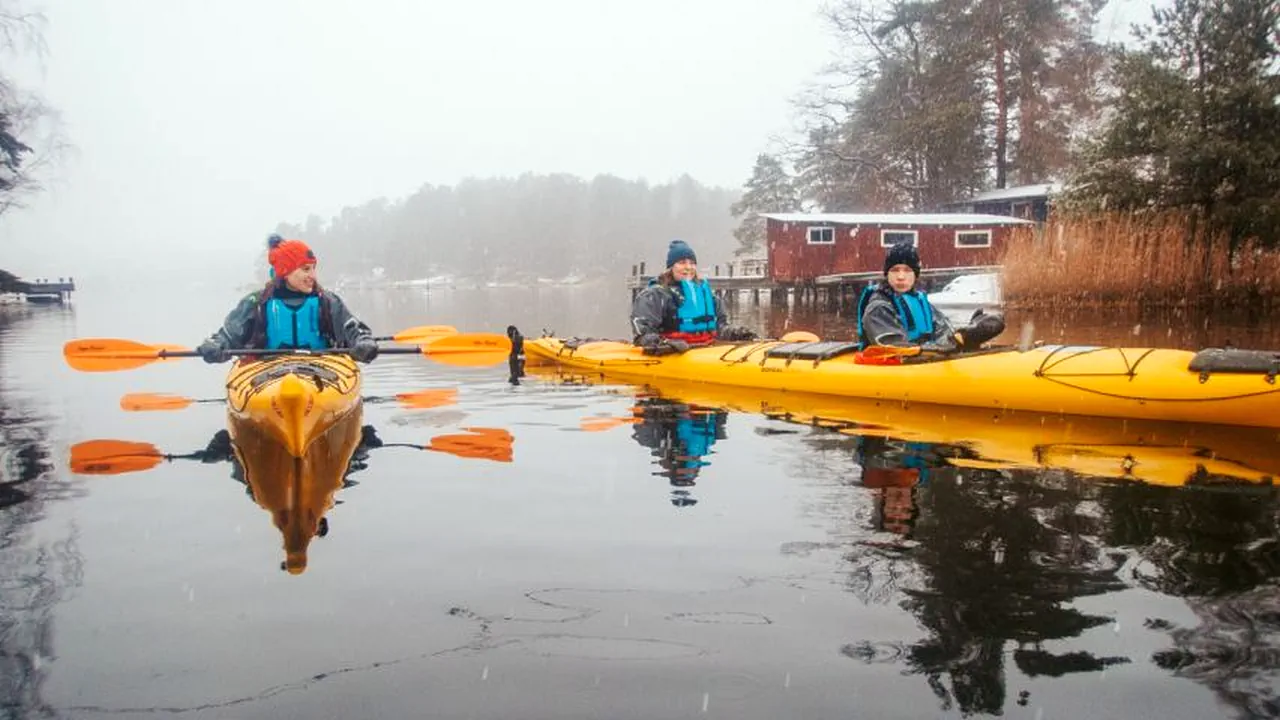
[212, 352]
[365, 350]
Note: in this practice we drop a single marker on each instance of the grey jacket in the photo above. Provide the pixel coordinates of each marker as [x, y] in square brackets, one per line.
[243, 326]
[882, 326]
[654, 312]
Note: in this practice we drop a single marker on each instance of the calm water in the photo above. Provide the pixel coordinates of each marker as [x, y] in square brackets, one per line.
[644, 554]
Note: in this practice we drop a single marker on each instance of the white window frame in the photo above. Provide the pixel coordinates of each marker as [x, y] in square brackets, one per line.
[808, 235]
[987, 244]
[915, 236]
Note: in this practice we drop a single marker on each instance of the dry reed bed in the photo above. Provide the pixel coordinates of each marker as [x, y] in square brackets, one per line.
[1152, 260]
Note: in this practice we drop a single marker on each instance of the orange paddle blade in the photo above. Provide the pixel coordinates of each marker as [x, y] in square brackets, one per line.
[799, 336]
[423, 332]
[113, 457]
[484, 443]
[134, 402]
[111, 354]
[425, 399]
[468, 342]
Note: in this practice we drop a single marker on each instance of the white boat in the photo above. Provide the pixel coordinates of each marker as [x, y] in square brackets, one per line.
[969, 292]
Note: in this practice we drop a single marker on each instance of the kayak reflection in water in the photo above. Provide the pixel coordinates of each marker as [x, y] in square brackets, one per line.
[680, 435]
[297, 493]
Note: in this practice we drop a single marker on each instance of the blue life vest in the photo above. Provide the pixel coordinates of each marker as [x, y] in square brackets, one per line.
[914, 312]
[697, 313]
[696, 433]
[294, 326]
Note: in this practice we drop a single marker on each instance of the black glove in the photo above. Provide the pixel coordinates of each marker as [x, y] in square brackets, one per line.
[212, 352]
[365, 350]
[735, 333]
[945, 345]
[665, 346]
[984, 327]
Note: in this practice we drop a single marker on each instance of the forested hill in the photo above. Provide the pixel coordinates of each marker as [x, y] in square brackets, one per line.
[521, 228]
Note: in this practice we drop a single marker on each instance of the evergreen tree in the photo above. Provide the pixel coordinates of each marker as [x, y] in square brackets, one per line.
[936, 99]
[1195, 124]
[769, 190]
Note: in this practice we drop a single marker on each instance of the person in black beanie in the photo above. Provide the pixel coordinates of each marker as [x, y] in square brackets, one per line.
[895, 313]
[678, 309]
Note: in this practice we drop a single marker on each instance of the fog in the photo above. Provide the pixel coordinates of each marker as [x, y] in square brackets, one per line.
[199, 126]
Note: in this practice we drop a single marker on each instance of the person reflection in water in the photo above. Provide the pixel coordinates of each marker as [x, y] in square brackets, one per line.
[679, 435]
[895, 471]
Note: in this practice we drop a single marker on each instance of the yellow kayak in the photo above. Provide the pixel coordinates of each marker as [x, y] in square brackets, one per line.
[294, 399]
[297, 490]
[1214, 386]
[1155, 452]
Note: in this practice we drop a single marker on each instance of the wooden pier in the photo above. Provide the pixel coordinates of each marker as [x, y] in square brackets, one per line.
[41, 290]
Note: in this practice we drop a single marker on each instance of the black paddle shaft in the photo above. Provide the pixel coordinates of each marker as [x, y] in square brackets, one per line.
[292, 351]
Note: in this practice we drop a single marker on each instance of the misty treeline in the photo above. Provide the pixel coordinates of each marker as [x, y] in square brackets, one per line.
[30, 132]
[522, 228]
[932, 101]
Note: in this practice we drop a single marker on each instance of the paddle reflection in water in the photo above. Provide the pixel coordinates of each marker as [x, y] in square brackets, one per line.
[298, 492]
[993, 528]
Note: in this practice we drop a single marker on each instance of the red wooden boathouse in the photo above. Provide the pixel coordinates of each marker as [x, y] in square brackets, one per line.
[804, 247]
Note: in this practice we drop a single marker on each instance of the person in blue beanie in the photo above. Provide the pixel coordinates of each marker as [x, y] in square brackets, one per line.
[678, 309]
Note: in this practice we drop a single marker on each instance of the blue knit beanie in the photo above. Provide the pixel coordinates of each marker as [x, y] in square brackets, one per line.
[679, 250]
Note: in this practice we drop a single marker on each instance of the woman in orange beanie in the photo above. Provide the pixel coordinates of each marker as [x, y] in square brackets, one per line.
[292, 311]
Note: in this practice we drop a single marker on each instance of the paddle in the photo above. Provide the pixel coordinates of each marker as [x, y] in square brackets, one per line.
[146, 402]
[118, 457]
[419, 334]
[484, 444]
[112, 354]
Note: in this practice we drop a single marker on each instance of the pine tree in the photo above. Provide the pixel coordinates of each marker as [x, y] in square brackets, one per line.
[769, 190]
[1195, 119]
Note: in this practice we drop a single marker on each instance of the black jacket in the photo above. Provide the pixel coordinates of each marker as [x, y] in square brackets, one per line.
[243, 327]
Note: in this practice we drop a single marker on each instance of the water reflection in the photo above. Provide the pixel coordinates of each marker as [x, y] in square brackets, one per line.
[297, 492]
[680, 437]
[1218, 548]
[1004, 557]
[1234, 650]
[36, 572]
[990, 527]
[895, 472]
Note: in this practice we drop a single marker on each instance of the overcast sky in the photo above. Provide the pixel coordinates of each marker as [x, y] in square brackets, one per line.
[199, 125]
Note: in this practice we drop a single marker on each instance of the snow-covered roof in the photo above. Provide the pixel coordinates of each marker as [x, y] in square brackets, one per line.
[1014, 193]
[912, 219]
